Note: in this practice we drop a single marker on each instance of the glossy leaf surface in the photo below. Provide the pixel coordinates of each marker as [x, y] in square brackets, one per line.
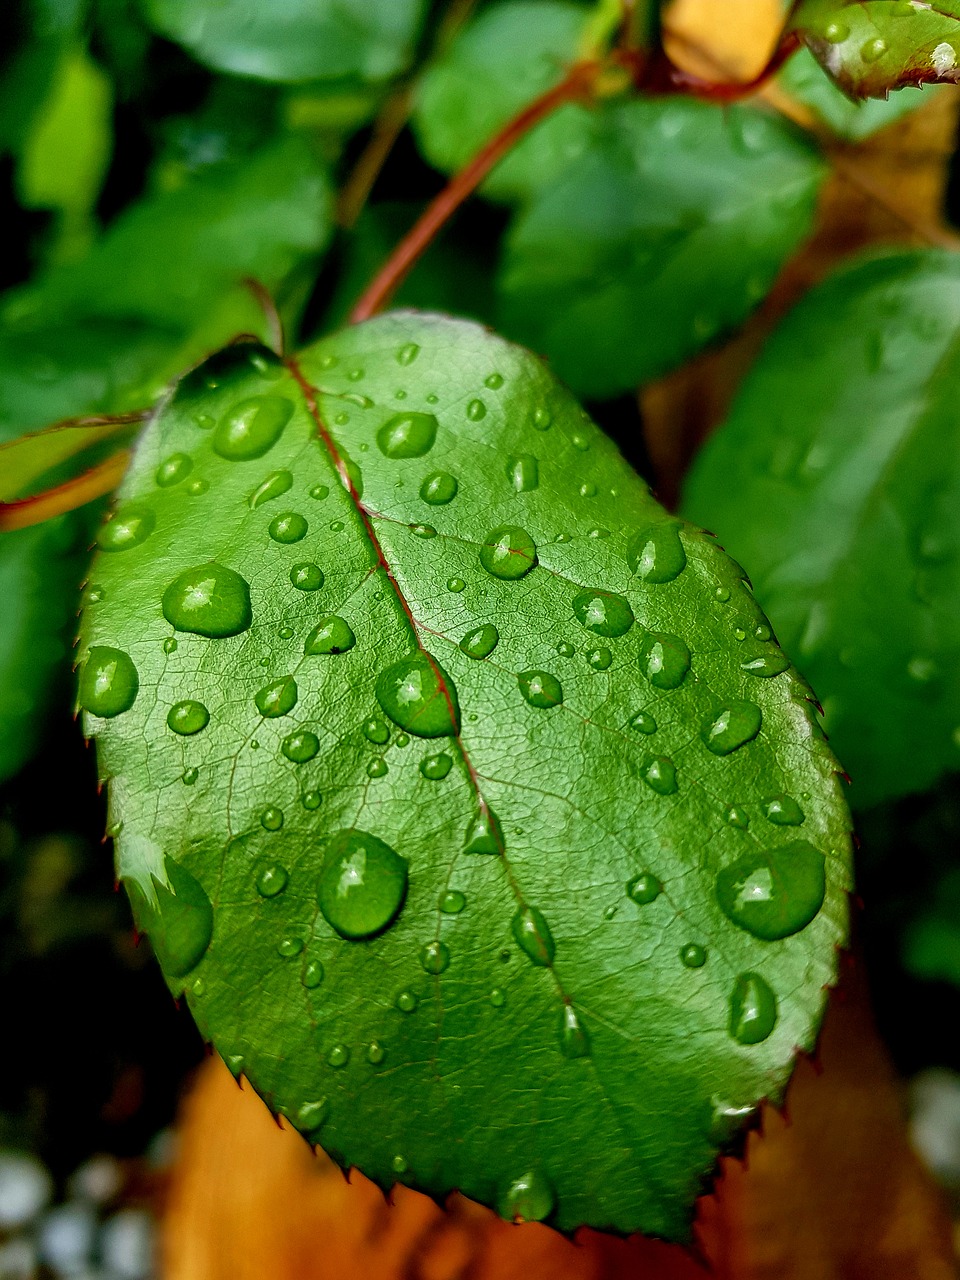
[444, 854]
[831, 480]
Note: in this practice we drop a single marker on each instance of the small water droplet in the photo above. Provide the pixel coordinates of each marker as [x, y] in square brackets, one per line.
[643, 722]
[766, 665]
[403, 739]
[693, 956]
[319, 492]
[664, 659]
[574, 1041]
[523, 472]
[753, 1009]
[484, 834]
[439, 488]
[540, 689]
[277, 698]
[481, 641]
[761, 631]
[836, 32]
[873, 50]
[644, 888]
[209, 600]
[423, 530]
[332, 634]
[311, 799]
[599, 659]
[251, 428]
[736, 817]
[312, 1116]
[498, 997]
[276, 484]
[408, 353]
[399, 1165]
[271, 819]
[722, 594]
[169, 645]
[272, 880]
[533, 936]
[436, 767]
[126, 528]
[456, 585]
[108, 682]
[476, 410]
[580, 441]
[418, 695]
[508, 552]
[312, 975]
[375, 1053]
[189, 776]
[338, 1056]
[173, 469]
[188, 717]
[204, 421]
[603, 612]
[542, 419]
[306, 576]
[377, 768]
[660, 775]
[783, 811]
[739, 633]
[406, 1002]
[376, 731]
[435, 957]
[289, 947]
[362, 885]
[529, 1198]
[198, 487]
[407, 435]
[494, 381]
[288, 527]
[565, 649]
[731, 727]
[775, 893]
[94, 594]
[285, 633]
[452, 902]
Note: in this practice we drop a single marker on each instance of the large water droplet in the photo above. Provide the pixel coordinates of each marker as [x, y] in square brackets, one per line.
[644, 889]
[108, 682]
[660, 775]
[362, 885]
[209, 600]
[407, 435]
[753, 1009]
[332, 634]
[508, 552]
[540, 688]
[533, 935]
[180, 926]
[603, 612]
[300, 746]
[480, 642]
[523, 472]
[664, 659]
[173, 469]
[277, 698]
[418, 695]
[484, 835]
[439, 488]
[574, 1041]
[251, 428]
[766, 665]
[656, 554]
[276, 484]
[784, 811]
[731, 727]
[529, 1198]
[188, 717]
[435, 957]
[776, 893]
[126, 528]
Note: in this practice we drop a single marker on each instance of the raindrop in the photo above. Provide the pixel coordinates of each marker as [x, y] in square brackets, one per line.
[542, 419]
[276, 484]
[169, 645]
[407, 435]
[435, 957]
[272, 880]
[439, 488]
[173, 469]
[523, 472]
[418, 695]
[693, 956]
[528, 1199]
[306, 576]
[766, 665]
[108, 683]
[753, 1009]
[209, 600]
[476, 410]
[332, 634]
[362, 885]
[277, 698]
[376, 731]
[251, 428]
[285, 633]
[338, 1056]
[540, 688]
[660, 775]
[599, 659]
[588, 490]
[204, 421]
[508, 552]
[271, 819]
[312, 975]
[643, 722]
[484, 834]
[288, 527]
[580, 441]
[452, 902]
[375, 1053]
[377, 768]
[736, 817]
[188, 717]
[312, 1116]
[126, 528]
[655, 554]
[319, 492]
[423, 530]
[407, 354]
[565, 649]
[836, 32]
[189, 777]
[574, 1041]
[644, 888]
[399, 1165]
[731, 728]
[664, 659]
[498, 997]
[480, 642]
[873, 50]
[494, 381]
[406, 1002]
[603, 612]
[722, 594]
[300, 746]
[774, 894]
[311, 799]
[198, 487]
[94, 594]
[533, 936]
[784, 811]
[456, 585]
[289, 947]
[761, 631]
[436, 767]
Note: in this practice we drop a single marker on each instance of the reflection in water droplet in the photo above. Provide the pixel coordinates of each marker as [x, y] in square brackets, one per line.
[439, 488]
[643, 722]
[753, 1009]
[528, 1199]
[272, 880]
[783, 811]
[312, 975]
[644, 889]
[480, 642]
[693, 956]
[603, 612]
[484, 834]
[540, 689]
[776, 893]
[533, 935]
[209, 600]
[188, 717]
[418, 695]
[660, 775]
[362, 885]
[407, 435]
[435, 957]
[523, 472]
[276, 484]
[251, 428]
[452, 902]
[731, 727]
[436, 767]
[508, 552]
[332, 634]
[108, 682]
[173, 469]
[406, 1002]
[277, 698]
[664, 660]
[306, 576]
[126, 528]
[574, 1041]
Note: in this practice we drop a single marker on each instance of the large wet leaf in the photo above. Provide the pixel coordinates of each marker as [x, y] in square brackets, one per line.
[872, 46]
[465, 794]
[836, 480]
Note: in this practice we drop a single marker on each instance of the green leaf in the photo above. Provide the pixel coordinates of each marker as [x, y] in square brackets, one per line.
[851, 119]
[294, 40]
[872, 46]
[511, 54]
[26, 460]
[476, 740]
[660, 238]
[835, 479]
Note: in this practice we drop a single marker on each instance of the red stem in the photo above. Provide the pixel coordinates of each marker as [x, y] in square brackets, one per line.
[418, 238]
[661, 75]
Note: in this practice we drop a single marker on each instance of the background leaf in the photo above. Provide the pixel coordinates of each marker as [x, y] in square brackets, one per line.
[588, 978]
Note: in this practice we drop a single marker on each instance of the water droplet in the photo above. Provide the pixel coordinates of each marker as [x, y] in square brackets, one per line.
[528, 1199]
[285, 633]
[300, 746]
[508, 552]
[693, 956]
[523, 472]
[542, 419]
[289, 947]
[766, 665]
[376, 731]
[580, 441]
[288, 527]
[540, 688]
[198, 487]
[173, 469]
[108, 682]
[439, 488]
[311, 799]
[533, 936]
[731, 728]
[272, 880]
[276, 484]
[312, 975]
[664, 659]
[403, 739]
[494, 381]
[599, 659]
[406, 1002]
[660, 775]
[873, 50]
[362, 885]
[739, 633]
[189, 777]
[753, 1009]
[722, 594]
[188, 717]
[456, 585]
[418, 695]
[204, 421]
[565, 649]
[126, 528]
[407, 435]
[774, 894]
[169, 645]
[484, 834]
[655, 554]
[94, 594]
[338, 1056]
[407, 354]
[251, 428]
[277, 698]
[306, 576]
[598, 533]
[761, 631]
[436, 767]
[423, 530]
[784, 811]
[312, 1116]
[498, 997]
[736, 817]
[376, 1053]
[209, 600]
[453, 902]
[476, 410]
[332, 634]
[319, 492]
[644, 888]
[354, 397]
[271, 819]
[435, 957]
[603, 612]
[377, 768]
[836, 32]
[180, 924]
[643, 722]
[574, 1041]
[399, 1165]
[480, 642]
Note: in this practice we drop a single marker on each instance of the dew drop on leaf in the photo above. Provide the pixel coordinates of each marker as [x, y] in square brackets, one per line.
[338, 1056]
[664, 659]
[660, 775]
[210, 600]
[377, 768]
[484, 834]
[523, 472]
[766, 665]
[643, 722]
[332, 634]
[456, 585]
[693, 956]
[300, 746]
[508, 552]
[418, 695]
[126, 528]
[731, 727]
[574, 1041]
[452, 902]
[406, 1002]
[108, 682]
[783, 811]
[272, 880]
[274, 486]
[494, 381]
[644, 889]
[776, 893]
[436, 767]
[542, 419]
[271, 819]
[376, 731]
[540, 689]
[306, 576]
[407, 435]
[439, 488]
[277, 698]
[319, 491]
[408, 353]
[599, 659]
[753, 1009]
[289, 947]
[312, 975]
[173, 469]
[873, 50]
[362, 885]
[312, 1116]
[399, 1165]
[529, 1198]
[655, 554]
[251, 428]
[188, 717]
[189, 776]
[288, 527]
[603, 612]
[435, 957]
[476, 410]
[481, 641]
[533, 936]
[565, 649]
[376, 1053]
[198, 487]
[169, 645]
[498, 997]
[734, 816]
